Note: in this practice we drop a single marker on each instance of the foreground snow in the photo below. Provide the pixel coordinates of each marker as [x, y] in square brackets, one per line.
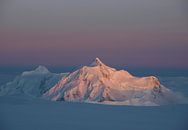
[21, 113]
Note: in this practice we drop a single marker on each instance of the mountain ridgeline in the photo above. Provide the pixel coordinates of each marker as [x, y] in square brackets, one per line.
[95, 83]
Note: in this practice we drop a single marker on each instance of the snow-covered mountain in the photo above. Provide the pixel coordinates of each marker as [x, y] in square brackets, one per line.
[95, 83]
[99, 83]
[32, 83]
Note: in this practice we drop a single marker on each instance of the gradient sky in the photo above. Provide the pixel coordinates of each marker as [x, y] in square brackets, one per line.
[151, 33]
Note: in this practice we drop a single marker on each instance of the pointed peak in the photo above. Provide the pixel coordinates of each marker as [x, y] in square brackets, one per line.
[97, 62]
[41, 69]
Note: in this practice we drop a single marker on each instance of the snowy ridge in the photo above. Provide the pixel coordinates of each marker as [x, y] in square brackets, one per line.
[98, 83]
[95, 83]
[31, 83]
[39, 70]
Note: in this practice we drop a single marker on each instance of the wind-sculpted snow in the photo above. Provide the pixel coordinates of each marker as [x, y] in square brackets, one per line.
[98, 83]
[32, 83]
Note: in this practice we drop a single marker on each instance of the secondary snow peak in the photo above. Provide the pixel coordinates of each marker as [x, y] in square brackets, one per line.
[41, 69]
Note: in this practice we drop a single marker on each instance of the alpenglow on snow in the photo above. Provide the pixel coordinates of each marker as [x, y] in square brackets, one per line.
[99, 83]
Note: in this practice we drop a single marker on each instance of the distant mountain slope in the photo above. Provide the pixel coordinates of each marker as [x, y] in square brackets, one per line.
[32, 83]
[98, 83]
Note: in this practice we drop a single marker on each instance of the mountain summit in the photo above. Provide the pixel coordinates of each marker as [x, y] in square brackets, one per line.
[97, 62]
[98, 83]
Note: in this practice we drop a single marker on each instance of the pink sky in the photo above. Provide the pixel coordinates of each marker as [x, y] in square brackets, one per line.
[150, 33]
[115, 47]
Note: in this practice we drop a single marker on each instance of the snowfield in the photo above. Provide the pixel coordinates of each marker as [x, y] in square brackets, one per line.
[21, 113]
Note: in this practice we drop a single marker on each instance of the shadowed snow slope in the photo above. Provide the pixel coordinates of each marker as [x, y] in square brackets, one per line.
[21, 113]
[33, 83]
[98, 83]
